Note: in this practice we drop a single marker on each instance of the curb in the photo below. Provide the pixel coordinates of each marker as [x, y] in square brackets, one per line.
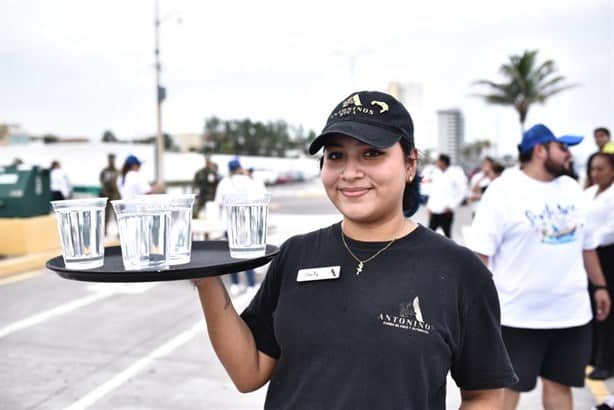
[20, 264]
[36, 261]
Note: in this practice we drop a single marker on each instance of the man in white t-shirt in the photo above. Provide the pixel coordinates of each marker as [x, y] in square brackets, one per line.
[236, 182]
[529, 228]
[447, 191]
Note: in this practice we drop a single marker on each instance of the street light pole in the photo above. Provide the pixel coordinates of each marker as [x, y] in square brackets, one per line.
[159, 159]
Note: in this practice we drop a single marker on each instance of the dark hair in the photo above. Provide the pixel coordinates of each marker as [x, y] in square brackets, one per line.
[524, 157]
[445, 159]
[55, 164]
[411, 194]
[125, 168]
[497, 168]
[589, 164]
[602, 129]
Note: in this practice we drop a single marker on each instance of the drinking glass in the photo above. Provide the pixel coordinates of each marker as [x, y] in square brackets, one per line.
[246, 217]
[181, 228]
[143, 232]
[81, 228]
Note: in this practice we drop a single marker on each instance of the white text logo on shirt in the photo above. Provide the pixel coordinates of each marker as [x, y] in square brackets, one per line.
[409, 318]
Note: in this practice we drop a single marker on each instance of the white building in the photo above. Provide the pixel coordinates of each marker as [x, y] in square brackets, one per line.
[451, 132]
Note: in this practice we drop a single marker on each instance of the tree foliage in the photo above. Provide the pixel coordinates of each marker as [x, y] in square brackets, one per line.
[474, 151]
[526, 82]
[247, 137]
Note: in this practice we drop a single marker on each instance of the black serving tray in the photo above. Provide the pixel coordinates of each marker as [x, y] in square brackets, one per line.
[209, 258]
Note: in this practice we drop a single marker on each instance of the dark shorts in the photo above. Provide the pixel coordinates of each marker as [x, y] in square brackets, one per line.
[559, 355]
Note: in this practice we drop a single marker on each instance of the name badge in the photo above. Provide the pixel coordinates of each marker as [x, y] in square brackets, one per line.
[325, 273]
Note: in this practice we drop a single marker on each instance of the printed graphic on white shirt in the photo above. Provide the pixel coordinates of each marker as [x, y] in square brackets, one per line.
[555, 224]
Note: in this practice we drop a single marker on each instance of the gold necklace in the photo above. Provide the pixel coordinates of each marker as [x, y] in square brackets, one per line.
[361, 264]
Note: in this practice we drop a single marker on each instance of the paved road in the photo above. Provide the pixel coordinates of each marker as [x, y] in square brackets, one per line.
[75, 345]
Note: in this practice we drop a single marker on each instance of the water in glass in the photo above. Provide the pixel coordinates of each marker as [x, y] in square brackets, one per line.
[247, 230]
[180, 236]
[144, 241]
[82, 233]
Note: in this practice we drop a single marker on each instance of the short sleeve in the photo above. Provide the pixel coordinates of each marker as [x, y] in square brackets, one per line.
[487, 227]
[259, 314]
[482, 361]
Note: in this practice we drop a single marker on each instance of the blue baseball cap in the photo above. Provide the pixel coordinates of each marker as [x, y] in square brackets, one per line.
[540, 134]
[234, 164]
[132, 160]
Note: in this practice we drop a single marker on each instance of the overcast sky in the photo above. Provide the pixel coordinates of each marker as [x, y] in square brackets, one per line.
[76, 68]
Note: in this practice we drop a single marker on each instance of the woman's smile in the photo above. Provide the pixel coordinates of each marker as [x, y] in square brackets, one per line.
[354, 192]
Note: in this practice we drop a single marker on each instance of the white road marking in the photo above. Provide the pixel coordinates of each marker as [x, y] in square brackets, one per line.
[135, 368]
[57, 311]
[93, 396]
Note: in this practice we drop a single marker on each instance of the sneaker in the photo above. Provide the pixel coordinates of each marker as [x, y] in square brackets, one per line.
[599, 374]
[608, 404]
[235, 290]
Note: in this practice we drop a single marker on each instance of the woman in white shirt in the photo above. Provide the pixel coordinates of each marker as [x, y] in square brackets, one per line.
[132, 183]
[600, 219]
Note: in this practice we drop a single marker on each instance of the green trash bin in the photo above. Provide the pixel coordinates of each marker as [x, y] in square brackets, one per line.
[24, 192]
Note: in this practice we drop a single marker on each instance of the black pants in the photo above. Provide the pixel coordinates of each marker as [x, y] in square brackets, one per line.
[603, 332]
[57, 196]
[444, 221]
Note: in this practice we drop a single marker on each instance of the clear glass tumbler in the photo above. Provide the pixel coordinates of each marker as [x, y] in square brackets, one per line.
[81, 227]
[143, 232]
[181, 228]
[246, 217]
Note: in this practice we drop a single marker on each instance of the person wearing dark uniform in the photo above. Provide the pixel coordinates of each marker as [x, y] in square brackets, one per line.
[108, 187]
[372, 312]
[205, 182]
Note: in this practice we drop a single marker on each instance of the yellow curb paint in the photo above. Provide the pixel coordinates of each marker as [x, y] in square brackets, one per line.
[20, 264]
[598, 389]
[26, 263]
[20, 277]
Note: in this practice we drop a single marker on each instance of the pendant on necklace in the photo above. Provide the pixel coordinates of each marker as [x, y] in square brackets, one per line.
[359, 267]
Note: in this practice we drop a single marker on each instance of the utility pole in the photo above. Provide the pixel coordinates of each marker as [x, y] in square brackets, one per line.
[352, 56]
[160, 95]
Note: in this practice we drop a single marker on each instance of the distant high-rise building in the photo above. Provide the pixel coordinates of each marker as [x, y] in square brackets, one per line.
[451, 131]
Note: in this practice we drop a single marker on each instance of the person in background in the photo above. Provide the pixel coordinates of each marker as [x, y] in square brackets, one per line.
[446, 194]
[374, 311]
[489, 171]
[529, 229]
[108, 188]
[236, 182]
[205, 183]
[59, 184]
[602, 138]
[131, 182]
[600, 220]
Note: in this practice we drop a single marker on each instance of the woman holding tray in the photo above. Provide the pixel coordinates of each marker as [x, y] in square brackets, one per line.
[374, 311]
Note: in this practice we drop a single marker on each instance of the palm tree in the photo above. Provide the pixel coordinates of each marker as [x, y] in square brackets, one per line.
[526, 83]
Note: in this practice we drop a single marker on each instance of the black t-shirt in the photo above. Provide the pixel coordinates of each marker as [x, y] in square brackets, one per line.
[384, 339]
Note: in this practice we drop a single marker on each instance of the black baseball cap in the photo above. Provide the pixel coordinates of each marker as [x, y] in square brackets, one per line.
[372, 117]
